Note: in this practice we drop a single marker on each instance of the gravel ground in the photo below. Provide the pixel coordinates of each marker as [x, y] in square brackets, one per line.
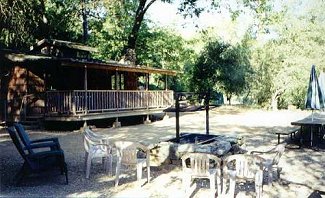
[303, 169]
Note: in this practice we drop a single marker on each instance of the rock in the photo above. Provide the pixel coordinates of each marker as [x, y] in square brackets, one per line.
[220, 147]
[184, 148]
[161, 154]
[235, 139]
[236, 149]
[168, 151]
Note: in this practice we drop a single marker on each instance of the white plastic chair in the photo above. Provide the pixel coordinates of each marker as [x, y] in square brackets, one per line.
[97, 146]
[228, 184]
[272, 160]
[197, 165]
[247, 168]
[128, 155]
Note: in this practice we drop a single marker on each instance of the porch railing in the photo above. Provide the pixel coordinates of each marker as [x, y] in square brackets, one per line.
[91, 101]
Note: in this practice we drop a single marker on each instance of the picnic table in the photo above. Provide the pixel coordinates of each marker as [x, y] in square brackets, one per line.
[317, 120]
[287, 131]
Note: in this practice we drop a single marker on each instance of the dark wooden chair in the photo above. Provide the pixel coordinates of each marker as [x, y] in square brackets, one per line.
[37, 162]
[52, 143]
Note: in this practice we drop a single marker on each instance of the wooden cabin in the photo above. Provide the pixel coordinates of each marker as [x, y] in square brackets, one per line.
[59, 81]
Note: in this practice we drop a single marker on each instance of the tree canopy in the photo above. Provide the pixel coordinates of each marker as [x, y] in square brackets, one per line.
[268, 66]
[221, 67]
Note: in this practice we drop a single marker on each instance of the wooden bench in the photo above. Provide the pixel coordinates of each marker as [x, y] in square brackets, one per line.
[291, 131]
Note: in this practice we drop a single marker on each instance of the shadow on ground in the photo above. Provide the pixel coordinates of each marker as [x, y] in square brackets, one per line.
[302, 174]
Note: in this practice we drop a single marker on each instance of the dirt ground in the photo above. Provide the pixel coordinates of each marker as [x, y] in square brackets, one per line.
[302, 173]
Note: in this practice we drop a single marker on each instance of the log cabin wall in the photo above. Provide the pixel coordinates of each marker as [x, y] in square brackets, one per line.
[17, 89]
[25, 94]
[35, 99]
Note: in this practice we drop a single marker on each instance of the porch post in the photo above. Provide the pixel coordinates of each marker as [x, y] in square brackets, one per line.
[120, 81]
[147, 88]
[117, 93]
[115, 79]
[147, 82]
[86, 88]
[116, 124]
[166, 78]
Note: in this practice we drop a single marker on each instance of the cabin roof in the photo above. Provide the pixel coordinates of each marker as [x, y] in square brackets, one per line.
[60, 43]
[95, 64]
[116, 66]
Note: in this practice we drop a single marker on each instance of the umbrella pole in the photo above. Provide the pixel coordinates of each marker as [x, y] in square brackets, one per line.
[207, 100]
[177, 115]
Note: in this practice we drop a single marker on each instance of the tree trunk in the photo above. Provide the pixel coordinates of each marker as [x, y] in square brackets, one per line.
[229, 99]
[44, 25]
[274, 99]
[129, 49]
[207, 103]
[130, 56]
[84, 22]
[131, 79]
[274, 102]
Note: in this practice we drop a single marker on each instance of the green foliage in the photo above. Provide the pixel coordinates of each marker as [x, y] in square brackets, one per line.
[156, 47]
[24, 22]
[271, 72]
[162, 48]
[193, 8]
[20, 22]
[221, 67]
[282, 65]
[64, 20]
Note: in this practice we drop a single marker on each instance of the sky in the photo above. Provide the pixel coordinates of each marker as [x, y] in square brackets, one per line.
[165, 15]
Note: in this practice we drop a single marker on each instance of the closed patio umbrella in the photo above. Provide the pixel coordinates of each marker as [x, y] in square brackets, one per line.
[315, 97]
[321, 81]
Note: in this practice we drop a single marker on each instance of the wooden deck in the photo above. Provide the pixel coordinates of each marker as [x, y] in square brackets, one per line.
[104, 115]
[78, 105]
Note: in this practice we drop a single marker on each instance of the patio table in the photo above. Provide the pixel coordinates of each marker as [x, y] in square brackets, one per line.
[315, 120]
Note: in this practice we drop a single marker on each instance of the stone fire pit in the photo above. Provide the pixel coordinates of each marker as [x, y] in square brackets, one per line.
[171, 150]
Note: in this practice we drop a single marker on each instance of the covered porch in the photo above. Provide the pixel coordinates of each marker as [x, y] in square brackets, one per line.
[73, 89]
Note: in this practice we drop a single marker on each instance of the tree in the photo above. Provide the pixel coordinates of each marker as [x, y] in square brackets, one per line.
[166, 49]
[111, 34]
[76, 15]
[21, 22]
[63, 20]
[282, 65]
[221, 67]
[189, 7]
